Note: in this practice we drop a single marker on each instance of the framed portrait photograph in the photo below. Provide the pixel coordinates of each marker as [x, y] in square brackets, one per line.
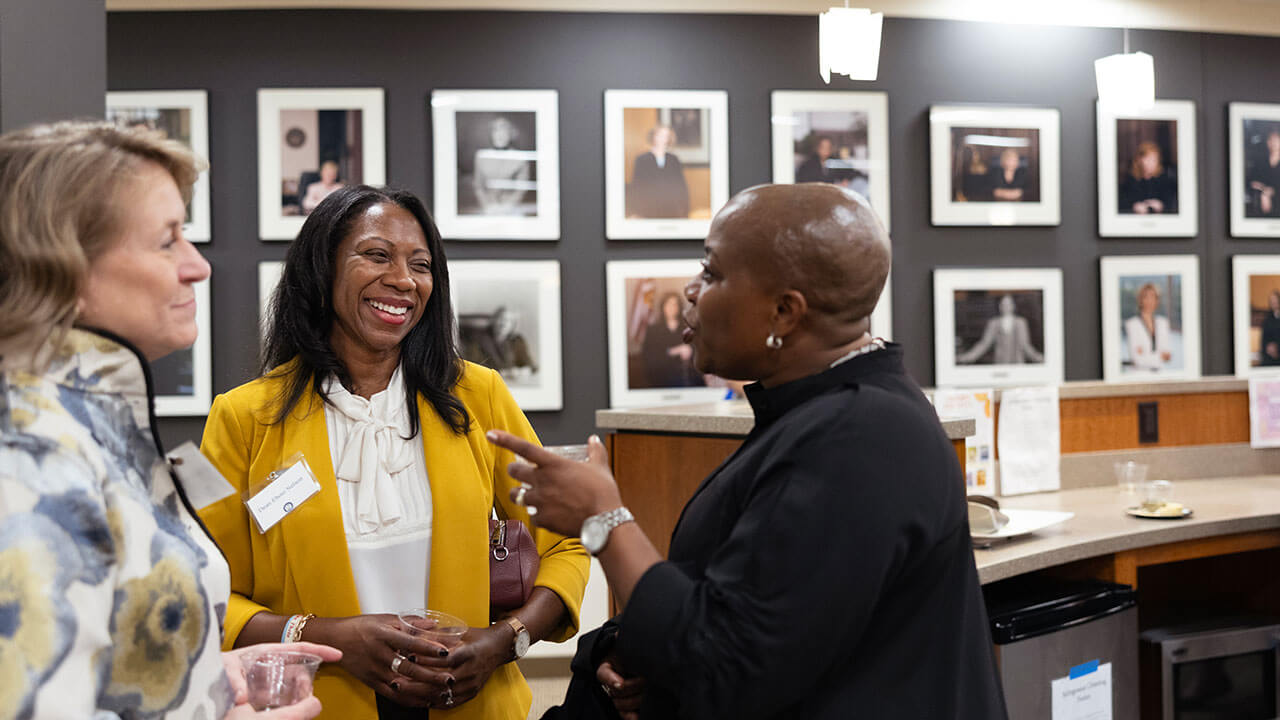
[1256, 313]
[649, 362]
[269, 272]
[993, 165]
[509, 320]
[666, 162]
[997, 327]
[1147, 171]
[1150, 317]
[834, 137]
[310, 143]
[182, 115]
[184, 379]
[497, 164]
[1253, 137]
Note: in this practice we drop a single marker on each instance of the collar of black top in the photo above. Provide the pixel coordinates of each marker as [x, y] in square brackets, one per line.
[769, 404]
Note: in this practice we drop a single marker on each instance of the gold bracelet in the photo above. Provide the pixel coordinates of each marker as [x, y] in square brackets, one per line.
[295, 633]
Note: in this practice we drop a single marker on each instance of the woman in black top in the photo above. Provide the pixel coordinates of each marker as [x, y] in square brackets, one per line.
[658, 188]
[1149, 187]
[825, 569]
[665, 354]
[1271, 330]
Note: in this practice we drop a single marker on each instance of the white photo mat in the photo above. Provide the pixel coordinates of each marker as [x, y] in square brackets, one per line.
[1243, 269]
[196, 104]
[1113, 270]
[272, 223]
[197, 402]
[617, 225]
[1184, 223]
[1237, 115]
[786, 104]
[269, 272]
[621, 394]
[545, 224]
[949, 373]
[545, 392]
[946, 211]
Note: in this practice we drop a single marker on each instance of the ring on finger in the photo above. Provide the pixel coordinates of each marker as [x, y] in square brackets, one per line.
[607, 690]
[395, 663]
[520, 493]
[447, 696]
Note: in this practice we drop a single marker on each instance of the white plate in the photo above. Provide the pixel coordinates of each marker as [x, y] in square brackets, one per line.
[1023, 522]
[1139, 512]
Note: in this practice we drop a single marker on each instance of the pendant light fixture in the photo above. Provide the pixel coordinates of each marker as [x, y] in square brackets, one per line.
[849, 43]
[1126, 82]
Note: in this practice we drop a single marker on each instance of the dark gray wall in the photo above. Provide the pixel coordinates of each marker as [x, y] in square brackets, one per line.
[923, 62]
[53, 60]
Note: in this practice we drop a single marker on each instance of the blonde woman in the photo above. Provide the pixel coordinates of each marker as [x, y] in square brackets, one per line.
[112, 591]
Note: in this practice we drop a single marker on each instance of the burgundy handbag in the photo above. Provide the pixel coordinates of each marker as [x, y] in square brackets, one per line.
[513, 565]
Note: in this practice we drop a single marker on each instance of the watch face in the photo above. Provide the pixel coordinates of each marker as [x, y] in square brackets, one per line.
[522, 644]
[593, 535]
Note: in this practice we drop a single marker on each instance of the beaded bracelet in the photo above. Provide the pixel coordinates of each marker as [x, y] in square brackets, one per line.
[293, 628]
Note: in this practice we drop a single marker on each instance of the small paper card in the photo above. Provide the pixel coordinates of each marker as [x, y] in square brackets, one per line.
[281, 493]
[1264, 411]
[1084, 694]
[200, 480]
[1029, 440]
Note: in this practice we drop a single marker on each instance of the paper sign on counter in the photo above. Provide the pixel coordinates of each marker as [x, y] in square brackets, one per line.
[980, 450]
[1264, 412]
[1029, 440]
[1084, 694]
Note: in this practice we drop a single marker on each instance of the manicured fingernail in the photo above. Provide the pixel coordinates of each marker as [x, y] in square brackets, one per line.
[492, 434]
[395, 686]
[450, 682]
[443, 653]
[595, 439]
[412, 658]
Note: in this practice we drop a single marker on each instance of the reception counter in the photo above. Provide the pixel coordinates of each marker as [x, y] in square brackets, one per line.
[1225, 555]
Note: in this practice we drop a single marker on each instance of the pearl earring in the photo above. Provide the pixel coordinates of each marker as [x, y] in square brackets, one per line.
[773, 342]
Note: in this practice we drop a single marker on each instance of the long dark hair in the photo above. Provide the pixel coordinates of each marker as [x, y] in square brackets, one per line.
[301, 312]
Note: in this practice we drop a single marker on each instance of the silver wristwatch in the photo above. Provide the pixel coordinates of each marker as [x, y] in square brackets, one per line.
[596, 529]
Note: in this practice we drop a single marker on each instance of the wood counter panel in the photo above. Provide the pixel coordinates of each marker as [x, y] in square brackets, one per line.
[657, 474]
[1092, 424]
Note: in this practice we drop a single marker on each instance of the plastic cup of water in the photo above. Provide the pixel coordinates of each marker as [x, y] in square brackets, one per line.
[277, 678]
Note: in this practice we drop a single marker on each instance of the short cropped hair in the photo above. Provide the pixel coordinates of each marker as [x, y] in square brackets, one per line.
[60, 190]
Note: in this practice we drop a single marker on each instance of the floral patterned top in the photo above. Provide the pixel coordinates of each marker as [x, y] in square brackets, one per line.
[111, 593]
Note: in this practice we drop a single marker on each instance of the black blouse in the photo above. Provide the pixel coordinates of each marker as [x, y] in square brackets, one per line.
[824, 570]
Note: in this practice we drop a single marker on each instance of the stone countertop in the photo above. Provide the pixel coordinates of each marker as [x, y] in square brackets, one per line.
[723, 417]
[1221, 506]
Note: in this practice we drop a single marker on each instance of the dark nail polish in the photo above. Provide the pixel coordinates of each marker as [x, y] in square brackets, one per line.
[443, 653]
[450, 682]
[412, 658]
[395, 686]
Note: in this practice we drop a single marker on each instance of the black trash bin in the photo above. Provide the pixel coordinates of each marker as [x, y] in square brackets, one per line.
[1048, 630]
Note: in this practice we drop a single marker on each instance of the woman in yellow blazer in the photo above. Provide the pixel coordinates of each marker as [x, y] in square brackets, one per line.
[360, 322]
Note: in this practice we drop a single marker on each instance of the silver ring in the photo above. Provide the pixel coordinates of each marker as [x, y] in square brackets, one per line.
[607, 690]
[448, 697]
[395, 663]
[520, 493]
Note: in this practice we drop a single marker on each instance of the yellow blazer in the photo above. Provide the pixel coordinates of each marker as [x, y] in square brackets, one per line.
[300, 565]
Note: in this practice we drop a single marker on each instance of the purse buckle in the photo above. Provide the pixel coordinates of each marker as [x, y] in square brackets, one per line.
[498, 541]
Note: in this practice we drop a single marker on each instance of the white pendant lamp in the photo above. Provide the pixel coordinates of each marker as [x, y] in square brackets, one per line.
[849, 43]
[1126, 82]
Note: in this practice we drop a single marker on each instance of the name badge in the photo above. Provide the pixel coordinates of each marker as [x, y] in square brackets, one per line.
[281, 493]
[202, 482]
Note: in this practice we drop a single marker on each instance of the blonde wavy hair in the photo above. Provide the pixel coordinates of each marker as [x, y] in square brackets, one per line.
[62, 200]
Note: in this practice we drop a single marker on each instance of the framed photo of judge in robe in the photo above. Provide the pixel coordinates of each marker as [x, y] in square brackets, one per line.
[1253, 146]
[182, 115]
[1147, 171]
[1256, 313]
[310, 143]
[834, 137]
[183, 380]
[666, 162]
[994, 165]
[997, 327]
[649, 361]
[508, 316]
[1150, 317]
[496, 164]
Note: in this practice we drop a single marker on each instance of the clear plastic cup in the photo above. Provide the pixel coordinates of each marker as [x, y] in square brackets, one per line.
[1155, 494]
[571, 452]
[433, 625]
[277, 678]
[1130, 476]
